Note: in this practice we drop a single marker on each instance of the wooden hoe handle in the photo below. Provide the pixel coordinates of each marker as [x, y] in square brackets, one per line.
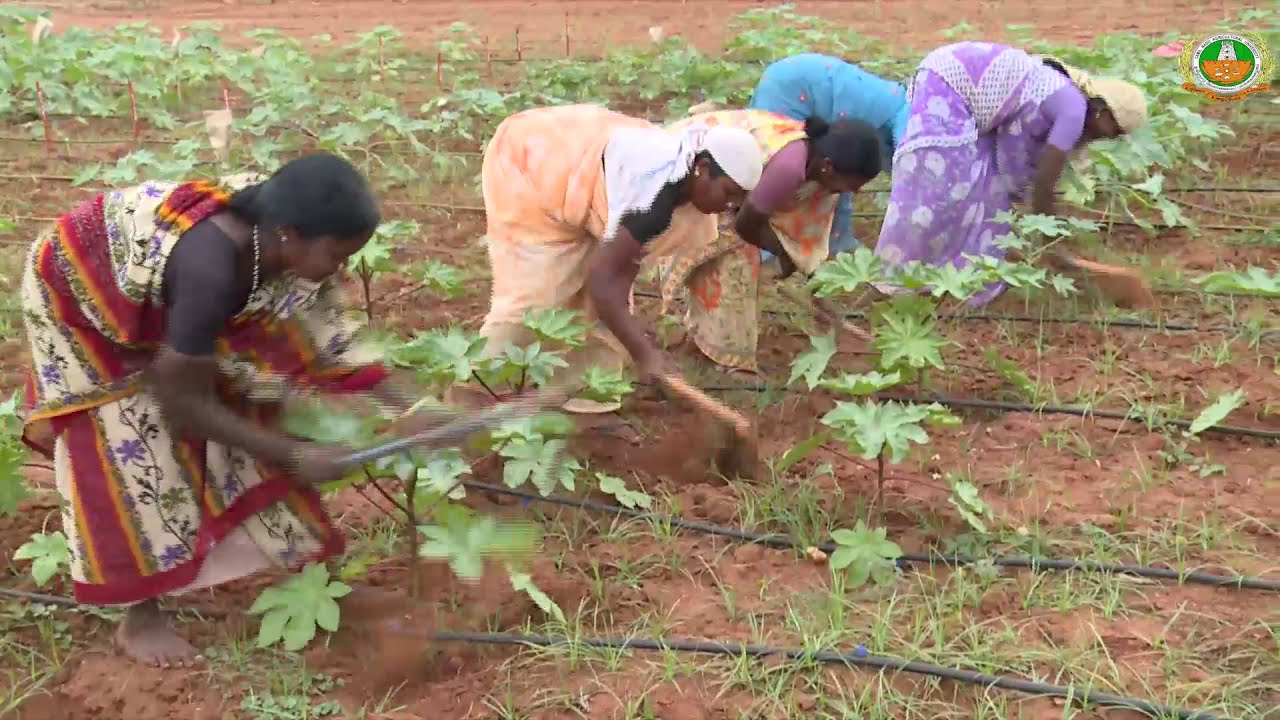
[707, 404]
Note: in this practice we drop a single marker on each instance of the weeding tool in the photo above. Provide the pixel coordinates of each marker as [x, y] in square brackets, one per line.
[1125, 287]
[736, 455]
[825, 309]
[457, 431]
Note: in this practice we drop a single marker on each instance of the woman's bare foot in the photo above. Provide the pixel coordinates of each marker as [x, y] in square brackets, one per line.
[145, 636]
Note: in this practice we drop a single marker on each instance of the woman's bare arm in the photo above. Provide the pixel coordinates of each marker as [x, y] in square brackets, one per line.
[613, 270]
[185, 386]
[1049, 169]
[203, 288]
[754, 228]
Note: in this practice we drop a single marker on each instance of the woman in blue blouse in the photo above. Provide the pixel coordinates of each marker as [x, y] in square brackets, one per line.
[813, 85]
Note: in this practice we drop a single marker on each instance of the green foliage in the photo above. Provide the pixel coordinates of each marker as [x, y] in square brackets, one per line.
[446, 280]
[859, 384]
[528, 364]
[465, 539]
[1253, 281]
[292, 610]
[530, 429]
[274, 71]
[376, 255]
[906, 334]
[800, 451]
[604, 385]
[13, 453]
[523, 582]
[441, 357]
[847, 272]
[864, 554]
[939, 415]
[966, 499]
[873, 429]
[540, 462]
[627, 498]
[290, 109]
[318, 421]
[440, 473]
[48, 555]
[1012, 374]
[1216, 412]
[556, 325]
[811, 363]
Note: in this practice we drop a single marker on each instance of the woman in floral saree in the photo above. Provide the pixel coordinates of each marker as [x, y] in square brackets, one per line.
[987, 124]
[575, 197]
[789, 214]
[165, 323]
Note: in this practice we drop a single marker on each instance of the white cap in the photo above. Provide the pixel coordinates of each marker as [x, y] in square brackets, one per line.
[737, 153]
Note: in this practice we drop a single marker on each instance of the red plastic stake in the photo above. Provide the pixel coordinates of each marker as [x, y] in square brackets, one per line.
[133, 110]
[566, 33]
[519, 52]
[44, 120]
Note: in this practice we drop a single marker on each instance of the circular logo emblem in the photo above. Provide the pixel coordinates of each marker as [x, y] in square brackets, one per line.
[1227, 66]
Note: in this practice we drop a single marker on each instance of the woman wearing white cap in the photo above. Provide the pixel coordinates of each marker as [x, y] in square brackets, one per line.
[789, 214]
[576, 196]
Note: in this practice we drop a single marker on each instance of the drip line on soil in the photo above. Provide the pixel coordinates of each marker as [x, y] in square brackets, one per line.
[1101, 322]
[1021, 407]
[1102, 220]
[1097, 321]
[41, 598]
[786, 542]
[472, 153]
[860, 657]
[1085, 412]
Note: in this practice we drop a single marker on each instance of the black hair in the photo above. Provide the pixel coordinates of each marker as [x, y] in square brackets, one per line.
[713, 167]
[1095, 103]
[1056, 66]
[317, 195]
[853, 146]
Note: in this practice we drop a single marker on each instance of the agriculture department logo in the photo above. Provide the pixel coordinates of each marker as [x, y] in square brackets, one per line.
[1226, 67]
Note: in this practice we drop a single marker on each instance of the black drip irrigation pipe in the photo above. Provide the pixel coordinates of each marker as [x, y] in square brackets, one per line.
[1126, 323]
[786, 542]
[1022, 407]
[860, 657]
[40, 598]
[981, 404]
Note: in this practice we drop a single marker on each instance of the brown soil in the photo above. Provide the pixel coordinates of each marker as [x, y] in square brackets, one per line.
[595, 25]
[1041, 475]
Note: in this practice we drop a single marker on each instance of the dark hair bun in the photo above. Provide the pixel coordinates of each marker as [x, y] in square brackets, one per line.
[316, 195]
[815, 127]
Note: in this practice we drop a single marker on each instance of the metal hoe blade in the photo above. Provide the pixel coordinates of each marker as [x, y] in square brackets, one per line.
[452, 433]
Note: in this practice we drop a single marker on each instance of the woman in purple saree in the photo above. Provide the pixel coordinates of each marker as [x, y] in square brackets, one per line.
[986, 122]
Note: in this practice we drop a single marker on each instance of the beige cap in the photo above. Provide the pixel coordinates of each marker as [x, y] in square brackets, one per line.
[1125, 99]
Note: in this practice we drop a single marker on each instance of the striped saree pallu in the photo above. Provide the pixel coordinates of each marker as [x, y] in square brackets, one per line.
[149, 510]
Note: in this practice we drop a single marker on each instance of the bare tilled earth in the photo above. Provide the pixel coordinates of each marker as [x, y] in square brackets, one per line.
[1057, 485]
